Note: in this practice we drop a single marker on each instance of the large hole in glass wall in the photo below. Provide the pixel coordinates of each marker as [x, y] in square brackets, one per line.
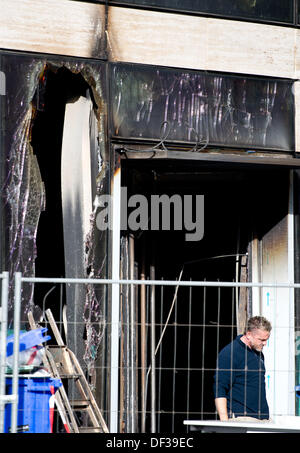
[262, 10]
[42, 102]
[46, 142]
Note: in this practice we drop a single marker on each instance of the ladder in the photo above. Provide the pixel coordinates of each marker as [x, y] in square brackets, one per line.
[62, 363]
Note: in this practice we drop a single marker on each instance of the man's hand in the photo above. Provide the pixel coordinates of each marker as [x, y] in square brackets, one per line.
[221, 406]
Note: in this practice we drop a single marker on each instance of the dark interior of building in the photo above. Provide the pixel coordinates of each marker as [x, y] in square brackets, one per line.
[55, 90]
[239, 204]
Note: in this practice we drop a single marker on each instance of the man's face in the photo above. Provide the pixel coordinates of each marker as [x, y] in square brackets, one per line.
[258, 339]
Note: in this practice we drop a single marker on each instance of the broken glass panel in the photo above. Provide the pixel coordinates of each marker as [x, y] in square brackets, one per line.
[31, 138]
[202, 108]
[268, 10]
[23, 197]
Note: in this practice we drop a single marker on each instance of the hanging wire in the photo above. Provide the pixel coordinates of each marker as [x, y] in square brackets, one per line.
[161, 144]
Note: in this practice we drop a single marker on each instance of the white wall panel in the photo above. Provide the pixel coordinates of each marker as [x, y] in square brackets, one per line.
[201, 43]
[77, 28]
[52, 26]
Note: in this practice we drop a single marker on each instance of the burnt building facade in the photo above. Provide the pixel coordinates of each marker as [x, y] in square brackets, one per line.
[163, 100]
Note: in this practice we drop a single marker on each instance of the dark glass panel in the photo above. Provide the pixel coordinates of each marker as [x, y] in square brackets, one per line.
[268, 10]
[187, 106]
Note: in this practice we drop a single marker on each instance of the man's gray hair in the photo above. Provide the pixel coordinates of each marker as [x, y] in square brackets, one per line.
[258, 322]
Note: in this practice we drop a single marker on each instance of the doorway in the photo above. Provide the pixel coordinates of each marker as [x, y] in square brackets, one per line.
[241, 205]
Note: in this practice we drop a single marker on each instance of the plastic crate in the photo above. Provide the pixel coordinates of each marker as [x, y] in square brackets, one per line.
[33, 405]
[27, 340]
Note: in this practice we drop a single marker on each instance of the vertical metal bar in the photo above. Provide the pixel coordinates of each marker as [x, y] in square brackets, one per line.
[133, 405]
[123, 296]
[256, 276]
[237, 268]
[203, 351]
[136, 330]
[160, 356]
[218, 319]
[115, 304]
[4, 307]
[231, 352]
[143, 349]
[153, 384]
[174, 367]
[291, 277]
[246, 381]
[15, 378]
[232, 315]
[147, 311]
[147, 314]
[60, 308]
[189, 356]
[218, 328]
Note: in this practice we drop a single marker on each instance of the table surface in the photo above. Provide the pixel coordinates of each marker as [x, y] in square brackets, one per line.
[234, 426]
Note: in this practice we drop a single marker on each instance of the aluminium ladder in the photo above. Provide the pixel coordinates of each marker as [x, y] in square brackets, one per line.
[62, 363]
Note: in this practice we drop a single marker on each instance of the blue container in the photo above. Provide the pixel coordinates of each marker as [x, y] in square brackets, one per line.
[27, 340]
[33, 405]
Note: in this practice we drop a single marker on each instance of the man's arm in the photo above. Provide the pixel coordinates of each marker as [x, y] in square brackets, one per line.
[224, 379]
[221, 406]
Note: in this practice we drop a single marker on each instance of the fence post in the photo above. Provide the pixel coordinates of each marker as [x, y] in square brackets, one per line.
[4, 308]
[115, 303]
[15, 379]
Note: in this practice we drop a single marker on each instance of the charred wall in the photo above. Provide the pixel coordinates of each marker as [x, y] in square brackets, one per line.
[32, 118]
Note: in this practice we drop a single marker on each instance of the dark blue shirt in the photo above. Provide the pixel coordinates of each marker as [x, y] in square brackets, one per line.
[240, 377]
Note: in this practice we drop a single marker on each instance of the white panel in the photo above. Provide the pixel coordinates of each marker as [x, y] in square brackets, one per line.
[291, 279]
[256, 277]
[297, 115]
[52, 26]
[77, 28]
[277, 305]
[76, 188]
[297, 54]
[251, 48]
[200, 43]
[76, 164]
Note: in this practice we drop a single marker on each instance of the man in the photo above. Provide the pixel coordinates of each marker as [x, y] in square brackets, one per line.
[239, 381]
